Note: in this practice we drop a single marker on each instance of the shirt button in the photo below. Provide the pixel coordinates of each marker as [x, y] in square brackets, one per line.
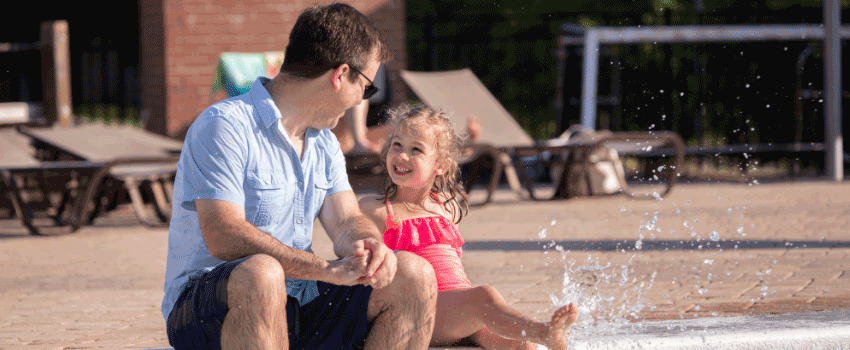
[300, 184]
[298, 221]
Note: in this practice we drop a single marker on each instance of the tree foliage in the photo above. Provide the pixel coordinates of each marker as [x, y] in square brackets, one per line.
[724, 92]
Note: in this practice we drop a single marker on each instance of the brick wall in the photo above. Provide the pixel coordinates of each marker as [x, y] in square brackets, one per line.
[181, 41]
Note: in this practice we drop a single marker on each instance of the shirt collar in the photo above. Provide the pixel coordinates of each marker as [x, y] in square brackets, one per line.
[269, 114]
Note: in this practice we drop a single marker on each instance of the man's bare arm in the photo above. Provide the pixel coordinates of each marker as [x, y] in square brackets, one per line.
[229, 236]
[350, 231]
[345, 223]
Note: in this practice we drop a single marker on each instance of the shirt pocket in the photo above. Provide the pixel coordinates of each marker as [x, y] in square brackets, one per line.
[321, 188]
[267, 196]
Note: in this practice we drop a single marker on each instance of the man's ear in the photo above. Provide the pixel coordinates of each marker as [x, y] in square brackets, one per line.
[338, 74]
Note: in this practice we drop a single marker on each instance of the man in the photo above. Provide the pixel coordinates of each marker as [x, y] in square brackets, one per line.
[255, 172]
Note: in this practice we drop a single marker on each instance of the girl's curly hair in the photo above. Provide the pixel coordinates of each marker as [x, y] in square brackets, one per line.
[449, 145]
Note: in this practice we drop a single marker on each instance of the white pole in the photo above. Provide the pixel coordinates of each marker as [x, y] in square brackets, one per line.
[588, 84]
[834, 142]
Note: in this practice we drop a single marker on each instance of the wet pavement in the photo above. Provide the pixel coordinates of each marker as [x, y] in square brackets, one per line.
[706, 250]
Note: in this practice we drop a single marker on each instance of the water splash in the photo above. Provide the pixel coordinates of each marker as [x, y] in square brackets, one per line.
[715, 236]
[608, 296]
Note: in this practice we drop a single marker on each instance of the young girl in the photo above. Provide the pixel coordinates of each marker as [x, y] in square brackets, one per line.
[418, 212]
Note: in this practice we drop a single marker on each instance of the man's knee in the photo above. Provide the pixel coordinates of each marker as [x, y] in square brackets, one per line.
[259, 277]
[416, 271]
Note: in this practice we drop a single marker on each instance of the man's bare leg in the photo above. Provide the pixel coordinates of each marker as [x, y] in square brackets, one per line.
[256, 318]
[403, 312]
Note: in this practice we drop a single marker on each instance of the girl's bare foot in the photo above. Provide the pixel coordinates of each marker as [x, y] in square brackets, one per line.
[561, 322]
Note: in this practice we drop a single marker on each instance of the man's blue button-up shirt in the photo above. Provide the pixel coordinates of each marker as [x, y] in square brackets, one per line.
[238, 151]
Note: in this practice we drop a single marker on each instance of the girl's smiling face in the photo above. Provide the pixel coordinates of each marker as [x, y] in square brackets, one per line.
[413, 157]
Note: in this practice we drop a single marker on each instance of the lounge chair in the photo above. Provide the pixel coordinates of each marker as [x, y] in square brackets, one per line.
[95, 155]
[462, 94]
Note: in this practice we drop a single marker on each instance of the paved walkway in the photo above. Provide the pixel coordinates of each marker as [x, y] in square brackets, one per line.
[707, 250]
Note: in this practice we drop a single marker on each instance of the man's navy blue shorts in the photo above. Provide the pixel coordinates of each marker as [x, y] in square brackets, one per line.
[336, 319]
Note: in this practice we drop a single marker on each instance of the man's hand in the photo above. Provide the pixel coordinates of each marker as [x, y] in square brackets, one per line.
[347, 271]
[382, 263]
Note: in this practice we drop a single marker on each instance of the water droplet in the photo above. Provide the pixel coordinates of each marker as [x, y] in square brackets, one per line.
[702, 292]
[763, 288]
[681, 94]
[740, 229]
[542, 234]
[708, 261]
[768, 105]
[523, 332]
[696, 308]
[715, 236]
[748, 86]
[554, 222]
[730, 210]
[623, 209]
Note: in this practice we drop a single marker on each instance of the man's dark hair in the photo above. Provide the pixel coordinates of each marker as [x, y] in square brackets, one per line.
[324, 37]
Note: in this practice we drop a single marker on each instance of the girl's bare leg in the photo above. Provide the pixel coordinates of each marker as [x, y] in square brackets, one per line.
[489, 340]
[456, 316]
[461, 313]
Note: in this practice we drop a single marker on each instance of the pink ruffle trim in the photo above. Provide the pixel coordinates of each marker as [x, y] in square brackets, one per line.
[417, 233]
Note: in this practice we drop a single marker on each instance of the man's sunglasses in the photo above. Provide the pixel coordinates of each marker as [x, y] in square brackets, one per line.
[371, 89]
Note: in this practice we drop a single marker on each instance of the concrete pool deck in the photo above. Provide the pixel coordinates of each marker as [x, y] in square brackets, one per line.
[101, 287]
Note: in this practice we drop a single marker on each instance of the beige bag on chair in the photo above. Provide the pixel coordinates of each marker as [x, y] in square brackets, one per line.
[606, 171]
[603, 174]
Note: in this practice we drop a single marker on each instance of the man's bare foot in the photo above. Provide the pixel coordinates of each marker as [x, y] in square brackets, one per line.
[561, 322]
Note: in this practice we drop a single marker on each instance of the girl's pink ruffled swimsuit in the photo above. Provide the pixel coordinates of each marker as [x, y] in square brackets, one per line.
[434, 238]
